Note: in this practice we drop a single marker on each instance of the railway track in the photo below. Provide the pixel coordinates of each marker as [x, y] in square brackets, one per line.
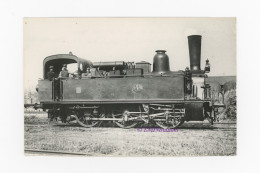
[49, 152]
[46, 125]
[186, 126]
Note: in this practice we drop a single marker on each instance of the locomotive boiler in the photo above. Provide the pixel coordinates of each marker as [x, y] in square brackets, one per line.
[128, 93]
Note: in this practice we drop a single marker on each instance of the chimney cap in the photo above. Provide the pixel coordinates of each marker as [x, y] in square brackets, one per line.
[194, 36]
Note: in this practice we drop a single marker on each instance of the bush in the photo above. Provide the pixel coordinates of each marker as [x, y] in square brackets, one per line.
[230, 100]
[231, 104]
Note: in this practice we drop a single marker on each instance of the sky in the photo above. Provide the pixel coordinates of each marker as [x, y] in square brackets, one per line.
[128, 39]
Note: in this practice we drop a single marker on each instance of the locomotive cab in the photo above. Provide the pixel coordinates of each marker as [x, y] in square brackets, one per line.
[57, 62]
[51, 89]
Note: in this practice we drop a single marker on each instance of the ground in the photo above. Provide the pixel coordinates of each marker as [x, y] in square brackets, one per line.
[192, 139]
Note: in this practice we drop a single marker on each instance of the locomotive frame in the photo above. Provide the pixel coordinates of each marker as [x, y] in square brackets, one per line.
[128, 93]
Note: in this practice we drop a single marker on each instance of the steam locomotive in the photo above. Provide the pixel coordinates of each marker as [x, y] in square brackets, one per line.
[128, 93]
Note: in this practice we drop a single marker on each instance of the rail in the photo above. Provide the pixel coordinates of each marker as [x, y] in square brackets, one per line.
[33, 151]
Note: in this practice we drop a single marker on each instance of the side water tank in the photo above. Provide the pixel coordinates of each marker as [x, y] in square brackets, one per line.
[161, 62]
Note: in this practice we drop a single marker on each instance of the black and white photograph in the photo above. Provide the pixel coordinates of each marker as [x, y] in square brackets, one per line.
[130, 87]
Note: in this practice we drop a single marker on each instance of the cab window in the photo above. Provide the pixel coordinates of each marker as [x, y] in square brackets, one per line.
[72, 68]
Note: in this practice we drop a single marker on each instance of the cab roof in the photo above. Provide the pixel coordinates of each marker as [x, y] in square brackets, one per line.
[58, 60]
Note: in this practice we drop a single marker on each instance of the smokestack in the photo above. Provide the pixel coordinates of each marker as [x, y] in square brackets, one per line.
[194, 50]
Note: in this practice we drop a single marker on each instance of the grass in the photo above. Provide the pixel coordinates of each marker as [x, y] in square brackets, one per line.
[129, 142]
[33, 118]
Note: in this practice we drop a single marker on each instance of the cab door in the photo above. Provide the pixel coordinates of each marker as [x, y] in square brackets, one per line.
[57, 90]
[45, 92]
